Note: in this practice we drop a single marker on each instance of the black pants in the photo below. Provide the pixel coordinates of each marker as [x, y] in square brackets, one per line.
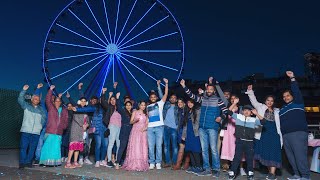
[195, 159]
[122, 149]
[243, 147]
[296, 147]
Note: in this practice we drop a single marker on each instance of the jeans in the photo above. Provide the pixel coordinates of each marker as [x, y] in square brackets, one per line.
[155, 138]
[243, 147]
[28, 145]
[40, 144]
[101, 146]
[170, 134]
[296, 147]
[209, 137]
[122, 149]
[113, 137]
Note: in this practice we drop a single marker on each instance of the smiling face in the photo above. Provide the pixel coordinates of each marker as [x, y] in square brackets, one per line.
[210, 90]
[269, 102]
[69, 106]
[246, 112]
[128, 106]
[233, 97]
[190, 104]
[57, 102]
[181, 103]
[94, 101]
[83, 102]
[35, 100]
[142, 106]
[113, 101]
[173, 99]
[153, 98]
[287, 97]
[226, 95]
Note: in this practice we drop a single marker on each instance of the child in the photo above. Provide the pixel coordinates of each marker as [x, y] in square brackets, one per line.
[245, 130]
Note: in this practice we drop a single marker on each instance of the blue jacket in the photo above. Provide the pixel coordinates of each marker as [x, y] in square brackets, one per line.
[34, 117]
[292, 115]
[97, 117]
[211, 108]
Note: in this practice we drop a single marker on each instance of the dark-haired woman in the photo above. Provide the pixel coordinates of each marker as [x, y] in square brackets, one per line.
[191, 136]
[57, 122]
[80, 123]
[126, 127]
[137, 151]
[268, 149]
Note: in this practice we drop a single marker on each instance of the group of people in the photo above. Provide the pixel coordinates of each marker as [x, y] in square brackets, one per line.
[131, 136]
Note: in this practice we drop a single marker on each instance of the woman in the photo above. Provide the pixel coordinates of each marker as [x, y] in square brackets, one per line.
[191, 137]
[66, 135]
[182, 112]
[137, 151]
[229, 140]
[57, 122]
[80, 123]
[126, 127]
[268, 149]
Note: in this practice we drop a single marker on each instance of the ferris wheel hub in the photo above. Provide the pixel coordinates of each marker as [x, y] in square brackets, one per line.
[112, 48]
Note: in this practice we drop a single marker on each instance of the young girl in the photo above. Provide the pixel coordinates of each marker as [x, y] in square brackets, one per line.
[137, 151]
[79, 125]
[191, 136]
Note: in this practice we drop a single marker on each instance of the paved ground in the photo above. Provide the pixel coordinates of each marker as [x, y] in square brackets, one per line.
[9, 170]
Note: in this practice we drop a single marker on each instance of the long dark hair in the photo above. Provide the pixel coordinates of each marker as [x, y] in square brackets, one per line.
[145, 110]
[192, 111]
[274, 100]
[128, 113]
[112, 107]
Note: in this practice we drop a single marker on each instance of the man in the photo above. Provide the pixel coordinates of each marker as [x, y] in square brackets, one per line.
[170, 115]
[294, 130]
[211, 107]
[33, 119]
[155, 127]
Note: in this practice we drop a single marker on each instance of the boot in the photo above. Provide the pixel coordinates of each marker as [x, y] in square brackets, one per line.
[186, 162]
[177, 166]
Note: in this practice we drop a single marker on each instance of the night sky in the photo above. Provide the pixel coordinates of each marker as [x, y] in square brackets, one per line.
[226, 39]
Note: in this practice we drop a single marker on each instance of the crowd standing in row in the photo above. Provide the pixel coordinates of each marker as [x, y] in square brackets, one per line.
[132, 135]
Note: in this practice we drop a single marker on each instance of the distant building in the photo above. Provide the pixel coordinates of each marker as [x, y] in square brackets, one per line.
[312, 67]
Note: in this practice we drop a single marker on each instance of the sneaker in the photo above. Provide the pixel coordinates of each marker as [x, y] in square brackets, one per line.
[215, 173]
[87, 161]
[97, 164]
[231, 175]
[250, 175]
[62, 159]
[110, 164]
[204, 173]
[151, 166]
[158, 166]
[295, 177]
[243, 172]
[81, 161]
[197, 170]
[166, 165]
[36, 162]
[271, 177]
[117, 166]
[303, 178]
[103, 163]
[190, 170]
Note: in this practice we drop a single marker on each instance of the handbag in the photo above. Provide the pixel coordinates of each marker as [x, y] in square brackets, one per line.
[107, 133]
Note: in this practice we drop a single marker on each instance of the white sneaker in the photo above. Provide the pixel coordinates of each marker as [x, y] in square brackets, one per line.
[151, 166]
[158, 165]
[103, 163]
[87, 161]
[97, 164]
[62, 159]
[81, 161]
[243, 172]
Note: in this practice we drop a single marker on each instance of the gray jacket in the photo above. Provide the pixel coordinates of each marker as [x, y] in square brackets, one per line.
[195, 125]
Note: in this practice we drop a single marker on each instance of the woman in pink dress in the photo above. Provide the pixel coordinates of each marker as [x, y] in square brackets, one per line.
[137, 151]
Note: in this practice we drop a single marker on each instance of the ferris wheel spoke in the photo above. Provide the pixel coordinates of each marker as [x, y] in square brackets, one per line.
[79, 35]
[150, 62]
[116, 27]
[132, 76]
[84, 75]
[126, 21]
[75, 45]
[151, 51]
[78, 66]
[121, 45]
[106, 14]
[113, 69]
[97, 21]
[105, 76]
[139, 68]
[87, 27]
[137, 23]
[149, 40]
[73, 56]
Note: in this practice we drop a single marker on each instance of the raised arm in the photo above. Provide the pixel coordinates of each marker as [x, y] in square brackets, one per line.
[166, 90]
[221, 95]
[159, 89]
[104, 102]
[297, 96]
[85, 109]
[189, 93]
[118, 104]
[253, 98]
[81, 93]
[21, 100]
[70, 99]
[49, 102]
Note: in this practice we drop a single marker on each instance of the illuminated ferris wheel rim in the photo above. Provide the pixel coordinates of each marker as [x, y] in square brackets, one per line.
[115, 48]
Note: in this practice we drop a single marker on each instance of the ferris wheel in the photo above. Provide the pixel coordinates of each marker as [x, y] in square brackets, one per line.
[98, 42]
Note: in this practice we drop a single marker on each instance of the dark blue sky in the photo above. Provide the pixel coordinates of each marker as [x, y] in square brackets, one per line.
[223, 38]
